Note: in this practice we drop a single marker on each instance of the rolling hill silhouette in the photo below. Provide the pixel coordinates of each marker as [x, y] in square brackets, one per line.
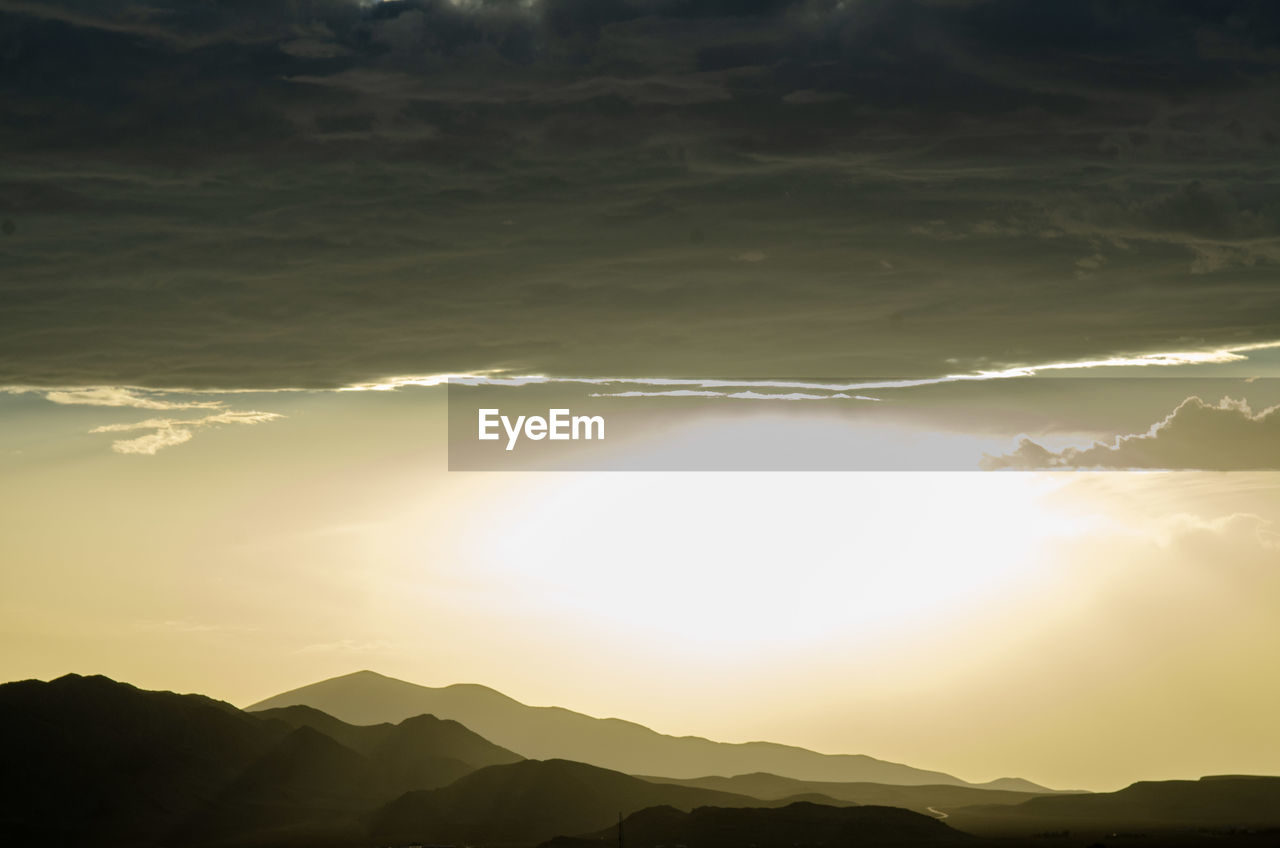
[556, 733]
[917, 798]
[532, 801]
[89, 758]
[1228, 802]
[791, 826]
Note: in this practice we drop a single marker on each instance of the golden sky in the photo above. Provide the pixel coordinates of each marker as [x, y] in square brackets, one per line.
[1081, 630]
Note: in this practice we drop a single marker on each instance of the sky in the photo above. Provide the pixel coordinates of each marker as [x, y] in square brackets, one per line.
[956, 244]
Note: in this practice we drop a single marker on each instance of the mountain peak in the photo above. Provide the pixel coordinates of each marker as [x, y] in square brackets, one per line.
[363, 674]
[73, 679]
[546, 733]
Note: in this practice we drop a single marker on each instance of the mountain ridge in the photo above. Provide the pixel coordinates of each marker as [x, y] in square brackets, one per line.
[917, 798]
[532, 801]
[91, 758]
[88, 759]
[1216, 801]
[367, 697]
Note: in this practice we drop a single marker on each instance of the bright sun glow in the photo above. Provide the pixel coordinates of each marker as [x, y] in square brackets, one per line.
[713, 561]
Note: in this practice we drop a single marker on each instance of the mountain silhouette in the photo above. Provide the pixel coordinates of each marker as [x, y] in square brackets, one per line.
[917, 798]
[532, 801]
[555, 733]
[1019, 784]
[307, 786]
[421, 752]
[791, 826]
[1227, 802]
[89, 758]
[362, 738]
[91, 761]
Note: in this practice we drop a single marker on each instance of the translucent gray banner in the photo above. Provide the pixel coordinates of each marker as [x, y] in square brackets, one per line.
[802, 424]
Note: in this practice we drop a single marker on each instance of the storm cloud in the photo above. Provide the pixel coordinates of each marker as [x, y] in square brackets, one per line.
[315, 194]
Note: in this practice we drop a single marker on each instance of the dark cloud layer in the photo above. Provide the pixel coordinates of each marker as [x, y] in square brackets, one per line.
[299, 193]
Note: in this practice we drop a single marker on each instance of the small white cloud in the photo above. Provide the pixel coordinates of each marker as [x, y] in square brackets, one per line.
[174, 431]
[152, 443]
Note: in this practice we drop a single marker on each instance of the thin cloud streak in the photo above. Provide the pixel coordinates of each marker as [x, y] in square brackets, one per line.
[1220, 356]
[170, 432]
[115, 396]
[747, 395]
[175, 431]
[147, 398]
[131, 397]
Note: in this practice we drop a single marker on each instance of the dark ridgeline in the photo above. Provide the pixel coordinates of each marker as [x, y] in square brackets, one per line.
[1212, 804]
[535, 800]
[88, 758]
[555, 733]
[918, 798]
[421, 752]
[797, 824]
[91, 761]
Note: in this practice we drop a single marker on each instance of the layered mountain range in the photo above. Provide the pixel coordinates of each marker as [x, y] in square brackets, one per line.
[554, 732]
[91, 760]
